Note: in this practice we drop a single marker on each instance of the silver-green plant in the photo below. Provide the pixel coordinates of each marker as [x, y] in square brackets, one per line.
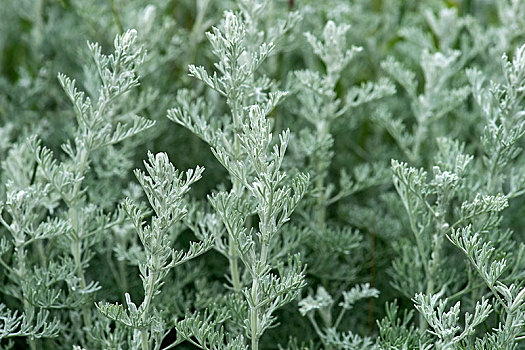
[165, 187]
[474, 226]
[243, 145]
[237, 65]
[389, 172]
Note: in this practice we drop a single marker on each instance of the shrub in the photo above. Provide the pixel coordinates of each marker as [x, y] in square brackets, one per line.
[318, 174]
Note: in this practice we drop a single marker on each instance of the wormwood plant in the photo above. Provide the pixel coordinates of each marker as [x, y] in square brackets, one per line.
[165, 187]
[243, 145]
[363, 188]
[475, 226]
[237, 64]
[37, 184]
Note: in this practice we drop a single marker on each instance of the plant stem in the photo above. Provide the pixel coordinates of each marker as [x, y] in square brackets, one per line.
[21, 271]
[76, 243]
[234, 104]
[27, 307]
[492, 171]
[422, 321]
[418, 139]
[147, 302]
[254, 315]
[121, 265]
[339, 317]
[116, 17]
[76, 249]
[317, 329]
[232, 253]
[123, 275]
[148, 297]
[144, 339]
[320, 212]
[234, 265]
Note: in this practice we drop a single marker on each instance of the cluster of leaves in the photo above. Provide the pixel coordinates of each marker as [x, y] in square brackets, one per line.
[358, 154]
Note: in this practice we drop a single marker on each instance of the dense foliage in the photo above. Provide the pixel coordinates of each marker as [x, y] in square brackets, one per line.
[336, 174]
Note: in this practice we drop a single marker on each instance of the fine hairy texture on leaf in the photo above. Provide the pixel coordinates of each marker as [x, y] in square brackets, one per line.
[262, 174]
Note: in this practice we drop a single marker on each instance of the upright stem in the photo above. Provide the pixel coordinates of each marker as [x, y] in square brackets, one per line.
[492, 172]
[32, 342]
[320, 213]
[76, 244]
[254, 310]
[265, 244]
[116, 17]
[237, 188]
[232, 253]
[122, 275]
[254, 315]
[39, 247]
[38, 24]
[421, 250]
[418, 139]
[144, 339]
[234, 265]
[76, 249]
[148, 296]
[21, 271]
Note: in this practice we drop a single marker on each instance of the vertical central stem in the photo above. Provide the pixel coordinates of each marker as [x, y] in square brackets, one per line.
[237, 189]
[148, 297]
[116, 17]
[28, 308]
[76, 243]
[123, 278]
[232, 253]
[421, 250]
[254, 315]
[320, 214]
[76, 249]
[144, 339]
[234, 265]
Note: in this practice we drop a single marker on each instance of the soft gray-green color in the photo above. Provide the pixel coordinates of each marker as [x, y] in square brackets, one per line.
[338, 174]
